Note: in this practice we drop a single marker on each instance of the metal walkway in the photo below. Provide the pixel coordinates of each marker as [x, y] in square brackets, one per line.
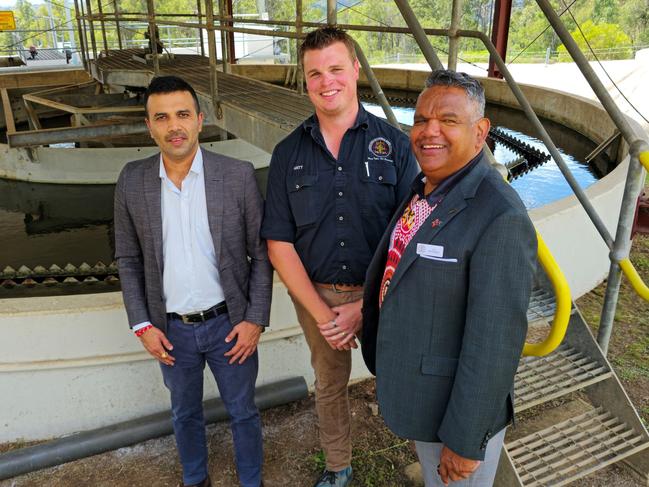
[255, 111]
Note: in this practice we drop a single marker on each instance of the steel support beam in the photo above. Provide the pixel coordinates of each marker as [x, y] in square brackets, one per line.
[103, 26]
[84, 133]
[453, 38]
[211, 45]
[419, 33]
[9, 116]
[91, 27]
[298, 41]
[332, 13]
[232, 54]
[117, 28]
[500, 34]
[153, 37]
[224, 39]
[199, 12]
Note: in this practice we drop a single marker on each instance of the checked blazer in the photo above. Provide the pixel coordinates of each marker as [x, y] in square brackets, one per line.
[446, 343]
[234, 211]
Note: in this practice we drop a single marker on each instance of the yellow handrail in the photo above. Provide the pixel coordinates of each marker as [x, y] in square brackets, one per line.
[634, 278]
[563, 304]
[643, 157]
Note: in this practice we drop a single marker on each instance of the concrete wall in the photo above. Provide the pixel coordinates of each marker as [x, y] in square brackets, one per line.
[71, 364]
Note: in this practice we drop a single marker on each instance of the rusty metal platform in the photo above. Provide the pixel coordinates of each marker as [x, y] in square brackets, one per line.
[258, 112]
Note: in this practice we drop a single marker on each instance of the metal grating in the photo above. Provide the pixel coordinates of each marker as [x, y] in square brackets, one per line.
[573, 449]
[541, 379]
[542, 305]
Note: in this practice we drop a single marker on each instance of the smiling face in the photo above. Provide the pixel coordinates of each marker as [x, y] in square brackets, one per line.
[331, 76]
[448, 132]
[174, 124]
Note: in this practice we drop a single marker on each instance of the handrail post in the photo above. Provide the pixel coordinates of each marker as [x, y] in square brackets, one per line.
[420, 36]
[621, 246]
[453, 38]
[376, 87]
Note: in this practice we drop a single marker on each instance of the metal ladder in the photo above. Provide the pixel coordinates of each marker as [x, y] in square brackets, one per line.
[600, 429]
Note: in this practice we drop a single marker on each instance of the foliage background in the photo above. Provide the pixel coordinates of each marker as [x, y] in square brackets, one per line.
[615, 29]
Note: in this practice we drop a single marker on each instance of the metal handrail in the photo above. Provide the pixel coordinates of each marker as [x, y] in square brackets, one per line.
[563, 303]
[634, 278]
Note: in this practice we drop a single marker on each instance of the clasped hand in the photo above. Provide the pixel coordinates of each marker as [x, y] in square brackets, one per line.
[453, 467]
[341, 332]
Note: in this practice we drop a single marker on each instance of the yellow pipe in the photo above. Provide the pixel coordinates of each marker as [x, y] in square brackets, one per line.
[643, 157]
[563, 300]
[634, 278]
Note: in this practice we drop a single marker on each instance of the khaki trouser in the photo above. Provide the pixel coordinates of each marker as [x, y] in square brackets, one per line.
[332, 369]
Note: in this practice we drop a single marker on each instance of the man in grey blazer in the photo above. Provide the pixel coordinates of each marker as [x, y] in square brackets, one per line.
[446, 296]
[195, 275]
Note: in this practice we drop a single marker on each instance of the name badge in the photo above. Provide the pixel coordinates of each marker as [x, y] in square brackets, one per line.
[428, 250]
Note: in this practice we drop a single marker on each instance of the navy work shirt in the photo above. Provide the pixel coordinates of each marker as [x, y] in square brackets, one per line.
[335, 211]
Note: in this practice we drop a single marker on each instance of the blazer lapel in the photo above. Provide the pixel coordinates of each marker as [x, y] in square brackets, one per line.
[213, 173]
[451, 206]
[152, 197]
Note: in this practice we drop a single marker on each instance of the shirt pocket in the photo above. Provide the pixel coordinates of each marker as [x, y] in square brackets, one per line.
[378, 181]
[303, 198]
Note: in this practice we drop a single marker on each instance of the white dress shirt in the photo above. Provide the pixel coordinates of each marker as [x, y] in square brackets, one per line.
[190, 277]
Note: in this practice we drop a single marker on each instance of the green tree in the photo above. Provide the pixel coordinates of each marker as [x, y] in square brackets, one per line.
[607, 40]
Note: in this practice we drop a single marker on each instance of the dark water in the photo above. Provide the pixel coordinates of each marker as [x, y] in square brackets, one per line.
[45, 224]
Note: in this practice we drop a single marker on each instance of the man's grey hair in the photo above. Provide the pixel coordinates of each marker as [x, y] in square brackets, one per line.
[453, 79]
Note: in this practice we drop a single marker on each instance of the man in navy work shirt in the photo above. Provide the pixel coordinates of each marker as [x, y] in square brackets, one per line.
[333, 185]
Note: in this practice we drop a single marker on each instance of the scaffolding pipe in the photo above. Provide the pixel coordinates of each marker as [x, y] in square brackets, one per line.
[82, 43]
[298, 31]
[620, 248]
[332, 14]
[545, 137]
[153, 37]
[103, 26]
[453, 38]
[211, 48]
[93, 41]
[119, 33]
[419, 33]
[224, 40]
[376, 87]
[200, 29]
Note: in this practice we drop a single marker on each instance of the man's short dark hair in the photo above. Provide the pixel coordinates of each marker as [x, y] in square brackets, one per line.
[453, 79]
[324, 37]
[169, 84]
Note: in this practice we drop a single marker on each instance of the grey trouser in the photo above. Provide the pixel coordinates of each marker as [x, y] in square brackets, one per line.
[429, 453]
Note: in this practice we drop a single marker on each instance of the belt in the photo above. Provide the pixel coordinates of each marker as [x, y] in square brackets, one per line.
[201, 316]
[340, 288]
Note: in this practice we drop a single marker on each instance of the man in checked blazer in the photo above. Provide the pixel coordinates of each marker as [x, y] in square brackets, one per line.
[195, 275]
[446, 296]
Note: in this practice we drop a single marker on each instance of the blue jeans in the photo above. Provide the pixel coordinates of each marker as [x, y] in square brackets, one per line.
[194, 345]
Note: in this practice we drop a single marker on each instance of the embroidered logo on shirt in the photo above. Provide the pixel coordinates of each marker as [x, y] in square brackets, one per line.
[380, 147]
[298, 168]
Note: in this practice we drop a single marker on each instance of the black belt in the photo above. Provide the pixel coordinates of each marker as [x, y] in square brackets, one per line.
[201, 316]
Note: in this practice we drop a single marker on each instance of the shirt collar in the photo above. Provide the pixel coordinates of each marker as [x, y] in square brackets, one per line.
[361, 120]
[196, 168]
[446, 184]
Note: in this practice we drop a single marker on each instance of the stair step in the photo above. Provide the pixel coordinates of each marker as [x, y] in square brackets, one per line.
[542, 305]
[574, 448]
[541, 379]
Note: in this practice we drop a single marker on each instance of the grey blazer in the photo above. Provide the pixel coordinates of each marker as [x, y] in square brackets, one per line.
[446, 343]
[234, 208]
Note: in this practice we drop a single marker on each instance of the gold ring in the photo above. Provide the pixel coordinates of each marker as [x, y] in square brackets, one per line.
[164, 355]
